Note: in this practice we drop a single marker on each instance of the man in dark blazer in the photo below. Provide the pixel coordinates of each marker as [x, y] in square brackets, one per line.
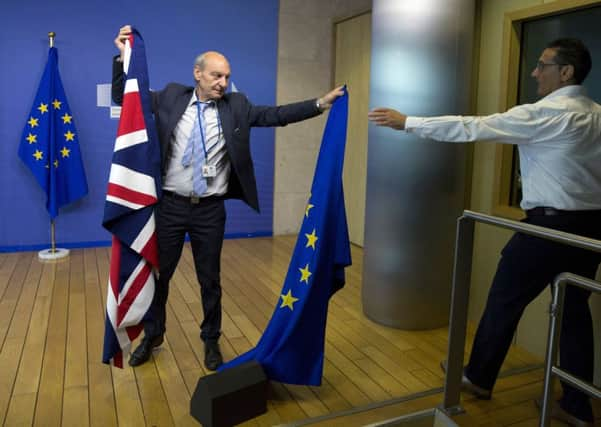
[205, 158]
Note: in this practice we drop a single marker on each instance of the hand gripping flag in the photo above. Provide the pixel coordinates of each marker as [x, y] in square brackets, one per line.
[291, 349]
[49, 145]
[133, 190]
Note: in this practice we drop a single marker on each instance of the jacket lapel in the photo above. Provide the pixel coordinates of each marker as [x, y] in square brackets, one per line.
[181, 103]
[227, 126]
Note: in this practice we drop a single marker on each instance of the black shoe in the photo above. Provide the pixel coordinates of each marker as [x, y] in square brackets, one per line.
[213, 357]
[143, 352]
[468, 386]
[561, 414]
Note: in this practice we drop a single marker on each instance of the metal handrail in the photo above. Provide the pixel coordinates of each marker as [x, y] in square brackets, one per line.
[551, 369]
[461, 282]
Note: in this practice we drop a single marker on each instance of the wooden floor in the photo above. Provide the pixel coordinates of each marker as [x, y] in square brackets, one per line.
[51, 335]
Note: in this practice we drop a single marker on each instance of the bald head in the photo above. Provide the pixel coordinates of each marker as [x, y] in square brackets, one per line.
[211, 55]
[212, 75]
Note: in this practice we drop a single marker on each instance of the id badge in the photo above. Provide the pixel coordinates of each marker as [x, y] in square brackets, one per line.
[209, 171]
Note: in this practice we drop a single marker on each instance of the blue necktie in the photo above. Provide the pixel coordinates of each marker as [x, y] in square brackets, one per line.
[194, 153]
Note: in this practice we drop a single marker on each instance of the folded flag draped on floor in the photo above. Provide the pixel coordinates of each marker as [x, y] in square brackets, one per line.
[133, 190]
[49, 145]
[291, 349]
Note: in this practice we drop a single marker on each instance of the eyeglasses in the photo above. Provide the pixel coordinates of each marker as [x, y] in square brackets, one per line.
[540, 65]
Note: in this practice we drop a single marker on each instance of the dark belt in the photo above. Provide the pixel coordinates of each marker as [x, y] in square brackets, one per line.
[193, 200]
[546, 211]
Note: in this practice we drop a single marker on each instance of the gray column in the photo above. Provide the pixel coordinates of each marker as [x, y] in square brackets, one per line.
[420, 65]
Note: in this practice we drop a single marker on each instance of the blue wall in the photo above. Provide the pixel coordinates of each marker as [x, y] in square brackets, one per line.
[174, 32]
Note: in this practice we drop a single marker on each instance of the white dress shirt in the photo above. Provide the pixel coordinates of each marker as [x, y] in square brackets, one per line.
[558, 139]
[178, 178]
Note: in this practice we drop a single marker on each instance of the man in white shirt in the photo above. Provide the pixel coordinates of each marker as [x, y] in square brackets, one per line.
[559, 143]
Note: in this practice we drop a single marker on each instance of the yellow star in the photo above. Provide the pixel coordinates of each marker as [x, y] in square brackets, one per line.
[43, 108]
[32, 138]
[38, 155]
[305, 274]
[32, 122]
[56, 163]
[66, 118]
[309, 207]
[57, 104]
[311, 239]
[65, 152]
[288, 300]
[69, 136]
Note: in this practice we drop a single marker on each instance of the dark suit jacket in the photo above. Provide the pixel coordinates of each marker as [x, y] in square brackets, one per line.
[237, 116]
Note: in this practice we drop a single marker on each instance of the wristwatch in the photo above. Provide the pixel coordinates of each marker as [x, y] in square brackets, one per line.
[318, 105]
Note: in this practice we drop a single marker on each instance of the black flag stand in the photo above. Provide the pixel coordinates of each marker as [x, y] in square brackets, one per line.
[230, 397]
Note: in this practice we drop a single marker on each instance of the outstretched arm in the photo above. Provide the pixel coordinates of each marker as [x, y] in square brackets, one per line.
[522, 124]
[282, 115]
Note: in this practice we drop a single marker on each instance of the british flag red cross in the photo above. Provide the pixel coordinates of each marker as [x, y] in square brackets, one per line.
[133, 191]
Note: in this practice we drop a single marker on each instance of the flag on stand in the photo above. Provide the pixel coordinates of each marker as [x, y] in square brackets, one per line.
[133, 190]
[291, 349]
[49, 145]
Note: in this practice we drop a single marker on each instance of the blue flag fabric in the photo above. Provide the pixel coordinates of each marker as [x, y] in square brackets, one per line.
[49, 145]
[291, 349]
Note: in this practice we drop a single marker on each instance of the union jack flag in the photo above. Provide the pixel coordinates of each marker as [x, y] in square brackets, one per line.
[133, 190]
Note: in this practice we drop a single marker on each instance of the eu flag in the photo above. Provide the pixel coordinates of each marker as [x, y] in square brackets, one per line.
[291, 349]
[49, 145]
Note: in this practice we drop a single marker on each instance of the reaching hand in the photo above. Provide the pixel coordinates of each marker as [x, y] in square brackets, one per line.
[387, 117]
[326, 101]
[124, 33]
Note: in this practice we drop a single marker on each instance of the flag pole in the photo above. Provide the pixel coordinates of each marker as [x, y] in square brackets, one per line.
[54, 252]
[52, 237]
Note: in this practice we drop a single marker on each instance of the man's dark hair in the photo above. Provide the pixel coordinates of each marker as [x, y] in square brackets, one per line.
[575, 53]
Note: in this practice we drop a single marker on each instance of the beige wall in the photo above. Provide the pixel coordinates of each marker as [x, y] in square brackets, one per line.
[305, 67]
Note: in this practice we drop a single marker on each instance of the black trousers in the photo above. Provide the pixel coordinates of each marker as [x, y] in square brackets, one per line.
[527, 266]
[204, 222]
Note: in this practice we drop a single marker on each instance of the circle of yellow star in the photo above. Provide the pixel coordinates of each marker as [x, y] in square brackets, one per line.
[65, 152]
[305, 274]
[57, 104]
[33, 122]
[31, 138]
[311, 239]
[56, 163]
[288, 300]
[43, 108]
[69, 136]
[309, 207]
[66, 118]
[38, 155]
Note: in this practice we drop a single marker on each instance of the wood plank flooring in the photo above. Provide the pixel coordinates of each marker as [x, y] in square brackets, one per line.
[51, 335]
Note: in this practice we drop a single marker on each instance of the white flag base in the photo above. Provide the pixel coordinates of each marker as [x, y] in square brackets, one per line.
[50, 254]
